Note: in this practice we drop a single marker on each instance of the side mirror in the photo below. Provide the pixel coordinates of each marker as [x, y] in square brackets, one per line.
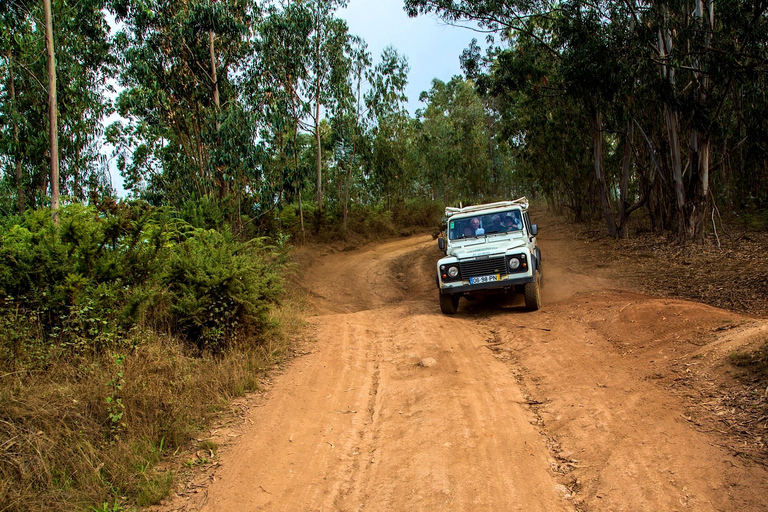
[441, 243]
[534, 230]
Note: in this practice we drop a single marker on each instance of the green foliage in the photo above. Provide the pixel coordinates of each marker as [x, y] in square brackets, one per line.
[220, 289]
[114, 400]
[81, 287]
[83, 61]
[617, 87]
[418, 212]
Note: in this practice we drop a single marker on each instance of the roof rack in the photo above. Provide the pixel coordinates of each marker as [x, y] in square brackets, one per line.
[452, 210]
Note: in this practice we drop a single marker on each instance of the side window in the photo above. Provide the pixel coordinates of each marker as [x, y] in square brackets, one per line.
[527, 222]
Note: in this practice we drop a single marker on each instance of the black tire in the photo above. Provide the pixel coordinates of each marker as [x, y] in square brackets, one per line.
[449, 303]
[533, 293]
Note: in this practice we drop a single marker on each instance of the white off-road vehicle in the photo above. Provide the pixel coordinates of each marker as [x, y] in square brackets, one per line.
[489, 248]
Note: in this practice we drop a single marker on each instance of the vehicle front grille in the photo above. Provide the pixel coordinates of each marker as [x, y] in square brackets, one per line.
[483, 267]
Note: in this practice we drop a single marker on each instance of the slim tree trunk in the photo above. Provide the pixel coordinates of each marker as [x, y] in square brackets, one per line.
[677, 169]
[218, 174]
[667, 73]
[701, 142]
[602, 181]
[214, 76]
[318, 81]
[296, 170]
[319, 159]
[346, 185]
[626, 165]
[17, 153]
[52, 112]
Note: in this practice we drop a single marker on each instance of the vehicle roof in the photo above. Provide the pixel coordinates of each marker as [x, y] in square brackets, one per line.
[522, 203]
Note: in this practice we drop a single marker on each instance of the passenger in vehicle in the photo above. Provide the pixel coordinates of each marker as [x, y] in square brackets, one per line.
[468, 231]
[496, 226]
[512, 222]
[475, 224]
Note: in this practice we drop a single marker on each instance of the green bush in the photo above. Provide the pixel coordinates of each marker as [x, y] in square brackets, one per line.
[81, 286]
[220, 290]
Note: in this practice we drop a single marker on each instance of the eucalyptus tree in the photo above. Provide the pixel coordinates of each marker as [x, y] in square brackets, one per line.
[350, 126]
[455, 139]
[391, 127]
[79, 60]
[327, 64]
[53, 114]
[276, 76]
[178, 61]
[656, 80]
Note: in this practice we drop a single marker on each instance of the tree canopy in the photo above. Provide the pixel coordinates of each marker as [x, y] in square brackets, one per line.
[601, 108]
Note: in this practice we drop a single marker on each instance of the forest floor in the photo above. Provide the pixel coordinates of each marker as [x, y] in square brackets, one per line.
[619, 394]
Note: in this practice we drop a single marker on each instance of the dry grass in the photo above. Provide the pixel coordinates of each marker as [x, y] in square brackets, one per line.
[89, 434]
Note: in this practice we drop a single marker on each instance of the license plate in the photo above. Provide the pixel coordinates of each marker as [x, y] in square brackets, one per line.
[484, 279]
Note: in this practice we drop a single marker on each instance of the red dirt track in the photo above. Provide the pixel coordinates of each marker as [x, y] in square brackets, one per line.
[582, 405]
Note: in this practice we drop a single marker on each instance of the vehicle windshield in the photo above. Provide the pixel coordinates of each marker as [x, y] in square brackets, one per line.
[485, 224]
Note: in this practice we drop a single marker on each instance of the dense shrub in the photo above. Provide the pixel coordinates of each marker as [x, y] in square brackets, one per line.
[129, 310]
[220, 289]
[81, 286]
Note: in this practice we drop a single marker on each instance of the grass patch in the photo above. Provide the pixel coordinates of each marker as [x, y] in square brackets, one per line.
[69, 446]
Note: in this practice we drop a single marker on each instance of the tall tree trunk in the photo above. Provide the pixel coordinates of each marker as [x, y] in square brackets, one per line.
[698, 208]
[671, 119]
[626, 166]
[296, 171]
[318, 32]
[319, 159]
[701, 141]
[17, 153]
[52, 112]
[667, 73]
[219, 175]
[346, 185]
[602, 181]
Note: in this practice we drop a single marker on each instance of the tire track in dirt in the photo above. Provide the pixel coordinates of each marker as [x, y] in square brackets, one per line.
[358, 424]
[568, 408]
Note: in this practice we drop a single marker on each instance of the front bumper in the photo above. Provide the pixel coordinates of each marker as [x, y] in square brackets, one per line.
[464, 287]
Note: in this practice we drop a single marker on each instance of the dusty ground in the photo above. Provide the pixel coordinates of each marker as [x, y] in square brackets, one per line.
[607, 399]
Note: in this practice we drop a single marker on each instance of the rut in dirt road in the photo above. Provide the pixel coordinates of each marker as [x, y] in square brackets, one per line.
[360, 424]
[398, 407]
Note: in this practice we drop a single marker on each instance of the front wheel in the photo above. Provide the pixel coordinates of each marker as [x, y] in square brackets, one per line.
[449, 303]
[533, 293]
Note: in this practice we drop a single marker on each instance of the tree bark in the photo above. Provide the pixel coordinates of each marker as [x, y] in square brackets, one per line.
[626, 166]
[219, 175]
[602, 181]
[671, 119]
[701, 141]
[319, 159]
[20, 202]
[52, 112]
[318, 31]
[667, 73]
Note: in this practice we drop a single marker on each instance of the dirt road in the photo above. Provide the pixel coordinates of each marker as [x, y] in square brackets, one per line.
[579, 406]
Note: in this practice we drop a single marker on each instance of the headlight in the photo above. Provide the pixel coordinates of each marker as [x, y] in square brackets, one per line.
[453, 271]
[518, 263]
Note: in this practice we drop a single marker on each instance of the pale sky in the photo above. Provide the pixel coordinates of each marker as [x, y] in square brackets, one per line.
[431, 46]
